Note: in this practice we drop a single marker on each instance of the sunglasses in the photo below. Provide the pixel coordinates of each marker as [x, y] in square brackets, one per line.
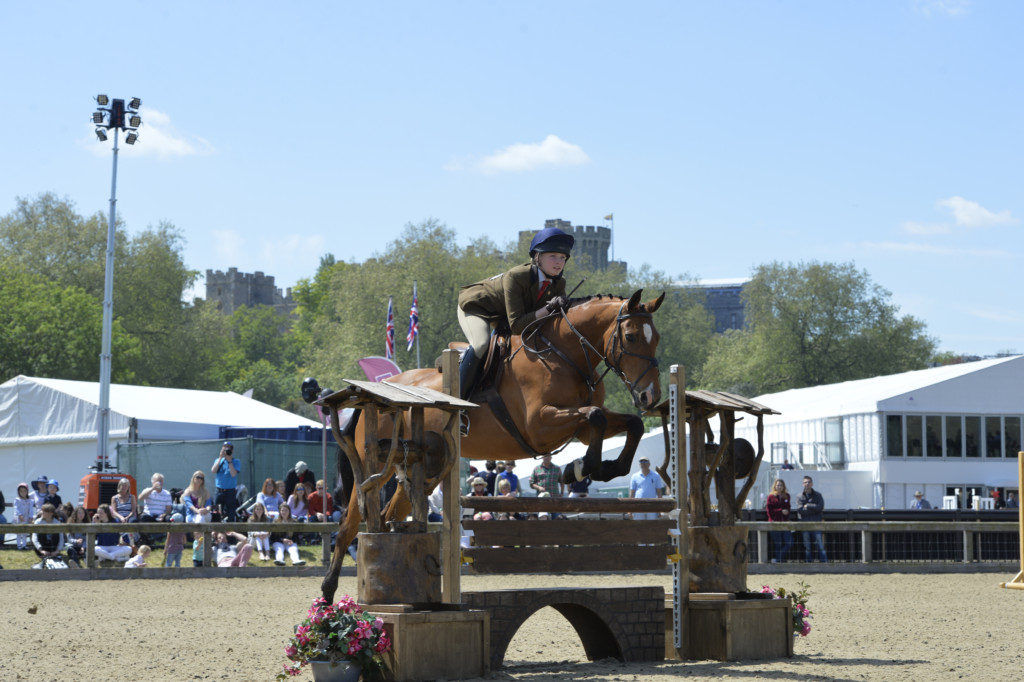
[201, 478]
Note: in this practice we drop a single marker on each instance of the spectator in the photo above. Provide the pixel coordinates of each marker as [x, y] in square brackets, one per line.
[65, 511]
[38, 494]
[156, 501]
[198, 503]
[226, 468]
[646, 484]
[197, 550]
[299, 502]
[123, 505]
[491, 475]
[321, 505]
[300, 474]
[139, 560]
[227, 554]
[260, 539]
[479, 489]
[786, 466]
[109, 546]
[810, 504]
[580, 488]
[52, 495]
[270, 498]
[47, 545]
[3, 517]
[24, 510]
[435, 505]
[999, 503]
[175, 544]
[1011, 500]
[919, 502]
[74, 545]
[282, 541]
[509, 475]
[505, 490]
[546, 478]
[778, 506]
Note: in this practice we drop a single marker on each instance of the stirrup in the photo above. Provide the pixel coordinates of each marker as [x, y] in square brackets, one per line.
[463, 424]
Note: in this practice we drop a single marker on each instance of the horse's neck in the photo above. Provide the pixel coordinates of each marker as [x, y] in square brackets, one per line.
[591, 324]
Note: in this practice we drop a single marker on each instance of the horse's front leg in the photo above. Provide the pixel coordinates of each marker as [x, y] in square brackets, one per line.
[593, 418]
[633, 425]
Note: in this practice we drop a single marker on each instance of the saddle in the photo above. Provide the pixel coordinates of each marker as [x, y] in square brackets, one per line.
[497, 352]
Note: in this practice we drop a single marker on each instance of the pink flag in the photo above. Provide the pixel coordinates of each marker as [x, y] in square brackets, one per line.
[377, 368]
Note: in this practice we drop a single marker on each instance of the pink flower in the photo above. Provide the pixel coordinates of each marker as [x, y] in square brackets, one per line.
[291, 651]
[806, 628]
[378, 623]
[383, 644]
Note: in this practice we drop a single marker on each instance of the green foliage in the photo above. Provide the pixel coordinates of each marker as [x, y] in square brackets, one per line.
[811, 324]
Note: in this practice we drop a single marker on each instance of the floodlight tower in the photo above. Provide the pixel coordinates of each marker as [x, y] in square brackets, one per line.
[116, 117]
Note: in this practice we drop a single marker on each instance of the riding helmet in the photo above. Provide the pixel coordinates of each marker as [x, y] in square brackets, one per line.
[552, 239]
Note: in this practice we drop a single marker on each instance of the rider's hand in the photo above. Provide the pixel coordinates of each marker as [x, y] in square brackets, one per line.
[557, 303]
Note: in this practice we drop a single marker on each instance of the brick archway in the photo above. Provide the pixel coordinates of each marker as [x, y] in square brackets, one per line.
[627, 623]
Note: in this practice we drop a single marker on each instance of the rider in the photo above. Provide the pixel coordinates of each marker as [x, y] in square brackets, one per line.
[516, 297]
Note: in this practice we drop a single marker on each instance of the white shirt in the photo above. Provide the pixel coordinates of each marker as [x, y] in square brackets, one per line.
[137, 561]
[158, 502]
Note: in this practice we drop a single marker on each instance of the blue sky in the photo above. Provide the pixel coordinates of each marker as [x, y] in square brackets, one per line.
[721, 134]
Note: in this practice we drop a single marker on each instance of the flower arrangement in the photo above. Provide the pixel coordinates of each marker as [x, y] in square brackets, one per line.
[801, 614]
[337, 632]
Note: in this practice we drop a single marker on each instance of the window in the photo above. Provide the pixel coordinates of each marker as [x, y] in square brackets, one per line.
[933, 436]
[1011, 435]
[993, 437]
[894, 435]
[915, 447]
[954, 437]
[972, 439]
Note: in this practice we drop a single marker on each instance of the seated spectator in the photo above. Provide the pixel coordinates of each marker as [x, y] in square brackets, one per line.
[505, 490]
[285, 541]
[260, 539]
[110, 546]
[509, 474]
[300, 474]
[123, 505]
[491, 467]
[320, 505]
[298, 501]
[47, 545]
[226, 553]
[23, 513]
[270, 498]
[75, 544]
[139, 560]
[38, 495]
[174, 545]
[52, 496]
[479, 489]
[157, 504]
[197, 501]
[65, 511]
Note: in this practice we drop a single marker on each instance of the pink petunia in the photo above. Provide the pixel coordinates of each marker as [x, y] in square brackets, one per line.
[805, 629]
[383, 644]
[378, 623]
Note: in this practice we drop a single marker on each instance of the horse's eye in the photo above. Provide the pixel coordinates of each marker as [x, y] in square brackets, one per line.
[630, 338]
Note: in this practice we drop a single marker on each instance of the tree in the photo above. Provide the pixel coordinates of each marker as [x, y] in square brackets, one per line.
[815, 323]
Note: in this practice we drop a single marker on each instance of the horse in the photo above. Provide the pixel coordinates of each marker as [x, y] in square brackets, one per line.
[552, 390]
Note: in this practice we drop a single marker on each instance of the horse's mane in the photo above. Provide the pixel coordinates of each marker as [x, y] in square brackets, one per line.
[603, 297]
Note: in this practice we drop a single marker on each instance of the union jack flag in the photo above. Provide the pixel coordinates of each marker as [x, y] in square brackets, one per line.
[389, 334]
[414, 319]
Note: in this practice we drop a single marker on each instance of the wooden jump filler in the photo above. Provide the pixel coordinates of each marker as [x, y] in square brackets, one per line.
[1018, 581]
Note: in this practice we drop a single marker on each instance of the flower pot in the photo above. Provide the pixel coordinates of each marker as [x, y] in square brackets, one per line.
[338, 671]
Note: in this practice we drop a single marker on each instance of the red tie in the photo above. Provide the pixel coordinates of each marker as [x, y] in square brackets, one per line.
[543, 288]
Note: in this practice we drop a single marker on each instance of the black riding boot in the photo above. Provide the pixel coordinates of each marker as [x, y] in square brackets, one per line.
[469, 368]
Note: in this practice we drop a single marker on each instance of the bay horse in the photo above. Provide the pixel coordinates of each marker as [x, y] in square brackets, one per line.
[553, 389]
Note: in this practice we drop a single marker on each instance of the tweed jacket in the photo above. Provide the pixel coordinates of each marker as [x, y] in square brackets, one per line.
[511, 295]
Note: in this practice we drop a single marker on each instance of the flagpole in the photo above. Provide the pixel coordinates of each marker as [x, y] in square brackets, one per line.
[416, 297]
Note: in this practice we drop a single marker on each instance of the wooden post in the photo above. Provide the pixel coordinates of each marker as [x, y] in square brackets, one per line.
[1018, 581]
[207, 548]
[968, 546]
[680, 477]
[865, 546]
[325, 547]
[90, 550]
[451, 549]
[762, 546]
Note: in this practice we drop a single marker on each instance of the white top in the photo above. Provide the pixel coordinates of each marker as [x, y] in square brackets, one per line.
[137, 561]
[157, 502]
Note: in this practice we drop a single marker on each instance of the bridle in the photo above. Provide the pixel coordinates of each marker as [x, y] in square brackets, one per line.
[612, 361]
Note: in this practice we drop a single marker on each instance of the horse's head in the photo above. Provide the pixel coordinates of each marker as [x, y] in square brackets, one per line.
[631, 345]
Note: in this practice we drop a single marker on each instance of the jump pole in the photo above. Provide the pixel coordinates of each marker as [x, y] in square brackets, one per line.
[451, 516]
[680, 482]
[1018, 581]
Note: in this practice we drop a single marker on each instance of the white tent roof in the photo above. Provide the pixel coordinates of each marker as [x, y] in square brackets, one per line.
[982, 386]
[33, 408]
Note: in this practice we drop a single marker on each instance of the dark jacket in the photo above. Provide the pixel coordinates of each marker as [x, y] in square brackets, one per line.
[509, 296]
[308, 479]
[810, 505]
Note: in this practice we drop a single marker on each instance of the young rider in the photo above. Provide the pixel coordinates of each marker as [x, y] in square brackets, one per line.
[516, 297]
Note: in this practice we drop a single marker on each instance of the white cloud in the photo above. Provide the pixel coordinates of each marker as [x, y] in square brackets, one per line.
[996, 315]
[931, 249]
[552, 152]
[292, 248]
[949, 8]
[967, 213]
[228, 244]
[926, 228]
[157, 137]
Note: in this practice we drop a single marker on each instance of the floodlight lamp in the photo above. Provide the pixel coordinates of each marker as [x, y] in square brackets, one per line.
[135, 121]
[97, 117]
[135, 103]
[103, 100]
[131, 137]
[101, 135]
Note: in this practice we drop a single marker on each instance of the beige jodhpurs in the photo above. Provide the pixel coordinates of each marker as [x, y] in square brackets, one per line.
[477, 331]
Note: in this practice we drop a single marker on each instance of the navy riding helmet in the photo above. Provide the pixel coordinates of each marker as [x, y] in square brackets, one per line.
[552, 239]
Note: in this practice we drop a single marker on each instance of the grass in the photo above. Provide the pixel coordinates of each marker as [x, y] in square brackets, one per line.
[13, 559]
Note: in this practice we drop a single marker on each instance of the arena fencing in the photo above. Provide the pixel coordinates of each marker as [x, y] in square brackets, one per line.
[261, 459]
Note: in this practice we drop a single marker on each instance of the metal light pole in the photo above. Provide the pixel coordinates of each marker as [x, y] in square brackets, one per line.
[106, 118]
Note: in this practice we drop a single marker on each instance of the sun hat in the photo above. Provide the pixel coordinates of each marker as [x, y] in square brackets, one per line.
[54, 483]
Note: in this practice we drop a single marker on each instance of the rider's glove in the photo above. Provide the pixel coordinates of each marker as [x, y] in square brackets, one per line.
[557, 303]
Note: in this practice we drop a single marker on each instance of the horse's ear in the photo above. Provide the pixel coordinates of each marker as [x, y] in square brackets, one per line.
[634, 300]
[651, 306]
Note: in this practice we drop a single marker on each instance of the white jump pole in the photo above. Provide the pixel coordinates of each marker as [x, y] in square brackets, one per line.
[679, 466]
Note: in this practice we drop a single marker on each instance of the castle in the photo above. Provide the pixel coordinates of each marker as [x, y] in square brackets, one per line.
[234, 289]
[593, 242]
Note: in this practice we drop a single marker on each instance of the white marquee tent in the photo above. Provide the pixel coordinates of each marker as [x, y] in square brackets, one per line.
[48, 426]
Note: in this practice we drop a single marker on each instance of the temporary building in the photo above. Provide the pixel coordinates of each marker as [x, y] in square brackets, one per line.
[951, 431]
[48, 426]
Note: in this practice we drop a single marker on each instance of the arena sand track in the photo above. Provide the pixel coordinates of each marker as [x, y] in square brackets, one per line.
[866, 627]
